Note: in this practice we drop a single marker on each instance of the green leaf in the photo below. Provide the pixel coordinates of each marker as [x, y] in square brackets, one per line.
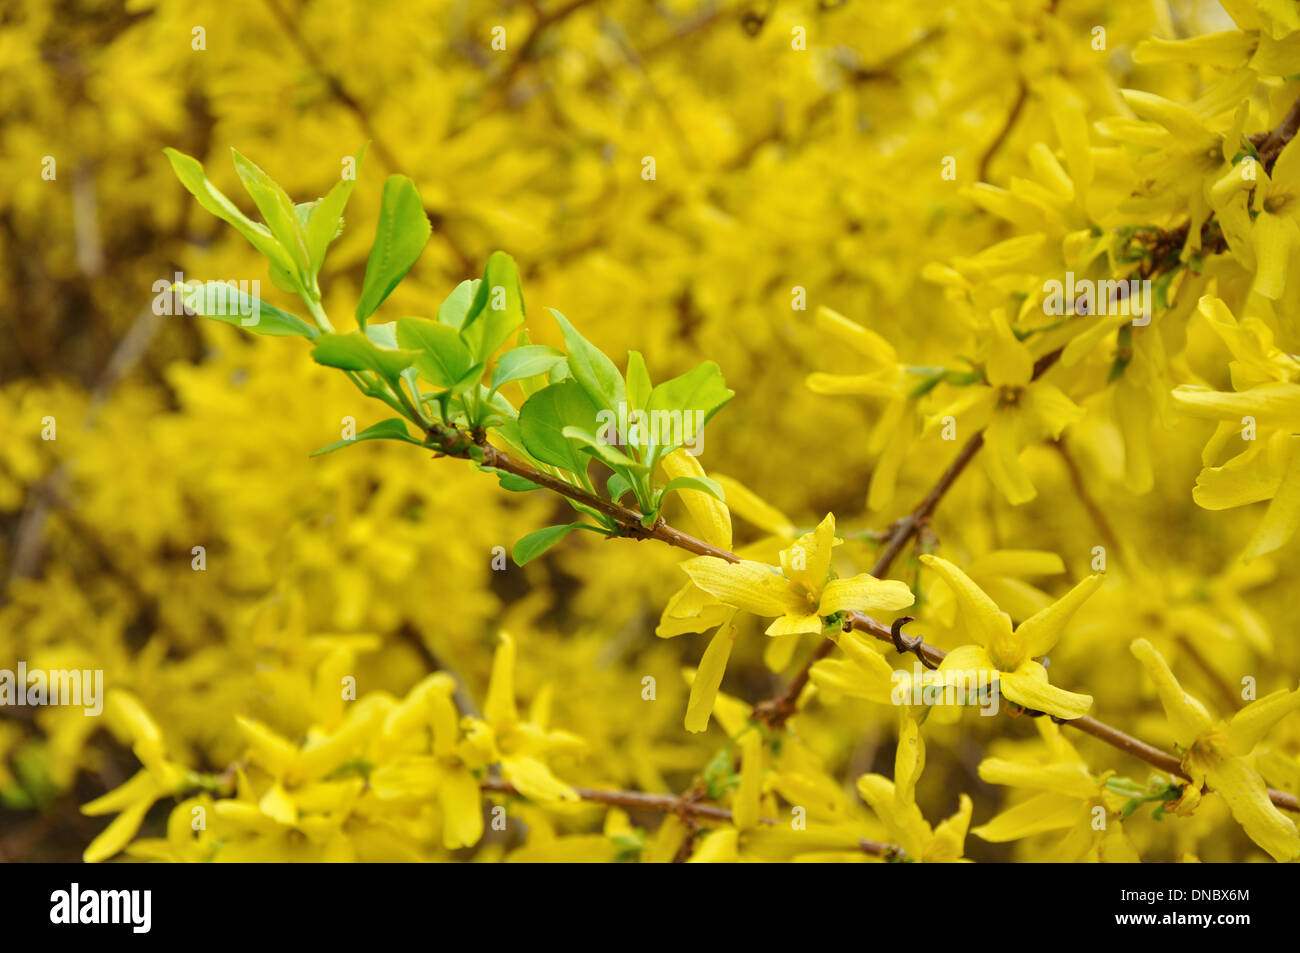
[356, 352]
[591, 368]
[543, 418]
[497, 308]
[455, 306]
[399, 239]
[223, 302]
[618, 486]
[277, 210]
[190, 171]
[638, 381]
[512, 481]
[326, 220]
[526, 361]
[392, 429]
[703, 484]
[608, 454]
[700, 389]
[538, 542]
[442, 356]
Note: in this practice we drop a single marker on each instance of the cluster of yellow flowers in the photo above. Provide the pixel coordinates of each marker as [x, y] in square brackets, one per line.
[1049, 240]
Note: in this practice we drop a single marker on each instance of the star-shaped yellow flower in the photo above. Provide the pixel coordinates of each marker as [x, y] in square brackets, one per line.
[1009, 652]
[1217, 753]
[802, 592]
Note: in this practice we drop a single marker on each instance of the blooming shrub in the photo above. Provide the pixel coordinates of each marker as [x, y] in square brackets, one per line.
[904, 469]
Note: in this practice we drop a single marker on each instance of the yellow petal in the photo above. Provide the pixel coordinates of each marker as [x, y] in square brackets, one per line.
[1010, 364]
[1246, 478]
[142, 786]
[275, 804]
[866, 342]
[1283, 514]
[1274, 238]
[854, 385]
[744, 807]
[1246, 795]
[1028, 686]
[117, 834]
[276, 754]
[1069, 780]
[710, 515]
[747, 585]
[717, 847]
[704, 689]
[1187, 717]
[865, 593]
[1017, 562]
[691, 609]
[909, 756]
[971, 660]
[1041, 813]
[746, 504]
[1040, 632]
[797, 624]
[1275, 404]
[981, 617]
[844, 678]
[499, 709]
[1249, 726]
[808, 561]
[462, 810]
[1049, 408]
[949, 841]
[535, 780]
[1002, 459]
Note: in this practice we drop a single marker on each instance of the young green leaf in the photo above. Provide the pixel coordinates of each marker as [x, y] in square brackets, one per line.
[277, 210]
[497, 308]
[392, 429]
[701, 390]
[638, 381]
[190, 171]
[538, 542]
[223, 302]
[442, 356]
[399, 239]
[326, 219]
[526, 361]
[703, 484]
[543, 418]
[455, 306]
[618, 486]
[468, 380]
[591, 368]
[356, 352]
[610, 455]
[512, 481]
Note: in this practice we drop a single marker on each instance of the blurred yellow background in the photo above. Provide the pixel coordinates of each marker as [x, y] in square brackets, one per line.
[776, 169]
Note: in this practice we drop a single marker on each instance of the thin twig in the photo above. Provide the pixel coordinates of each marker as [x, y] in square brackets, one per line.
[683, 806]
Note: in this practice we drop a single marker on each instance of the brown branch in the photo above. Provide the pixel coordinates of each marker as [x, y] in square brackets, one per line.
[1021, 98]
[1276, 140]
[451, 441]
[683, 806]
